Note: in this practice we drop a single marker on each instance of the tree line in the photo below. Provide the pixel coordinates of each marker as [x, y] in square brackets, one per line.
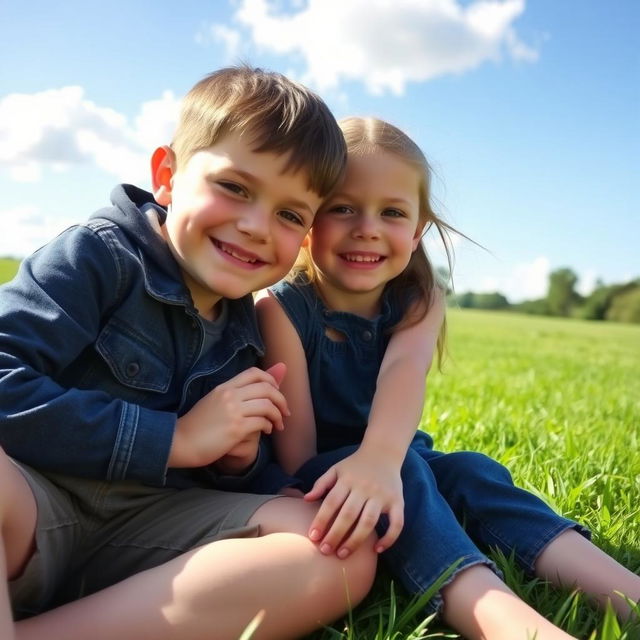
[616, 302]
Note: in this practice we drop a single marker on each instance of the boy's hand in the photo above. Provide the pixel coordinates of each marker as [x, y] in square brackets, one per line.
[360, 488]
[237, 460]
[237, 410]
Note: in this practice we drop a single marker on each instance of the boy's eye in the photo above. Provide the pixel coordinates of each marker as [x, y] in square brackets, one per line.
[292, 216]
[233, 187]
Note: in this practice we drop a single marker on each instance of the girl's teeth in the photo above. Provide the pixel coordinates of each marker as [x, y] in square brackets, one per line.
[362, 259]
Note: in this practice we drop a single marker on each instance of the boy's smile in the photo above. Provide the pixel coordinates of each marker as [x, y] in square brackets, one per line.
[236, 219]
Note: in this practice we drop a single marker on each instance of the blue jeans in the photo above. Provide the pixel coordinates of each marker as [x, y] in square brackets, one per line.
[457, 506]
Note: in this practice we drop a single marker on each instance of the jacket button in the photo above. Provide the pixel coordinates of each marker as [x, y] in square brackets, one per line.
[367, 335]
[132, 369]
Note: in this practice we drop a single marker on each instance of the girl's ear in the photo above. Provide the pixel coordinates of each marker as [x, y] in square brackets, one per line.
[162, 168]
[305, 242]
[417, 236]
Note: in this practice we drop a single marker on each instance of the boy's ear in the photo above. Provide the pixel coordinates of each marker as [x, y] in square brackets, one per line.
[162, 168]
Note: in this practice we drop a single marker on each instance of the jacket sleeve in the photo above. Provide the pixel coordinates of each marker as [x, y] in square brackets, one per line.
[49, 314]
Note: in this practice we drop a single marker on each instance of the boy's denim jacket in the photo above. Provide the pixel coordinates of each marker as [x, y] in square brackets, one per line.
[100, 352]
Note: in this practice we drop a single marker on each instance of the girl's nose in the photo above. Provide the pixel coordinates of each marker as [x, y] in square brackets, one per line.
[254, 222]
[366, 227]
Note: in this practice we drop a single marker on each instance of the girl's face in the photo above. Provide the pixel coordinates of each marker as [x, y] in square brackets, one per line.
[364, 235]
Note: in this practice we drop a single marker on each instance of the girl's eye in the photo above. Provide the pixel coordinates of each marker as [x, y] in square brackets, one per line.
[292, 216]
[233, 187]
[340, 208]
[393, 213]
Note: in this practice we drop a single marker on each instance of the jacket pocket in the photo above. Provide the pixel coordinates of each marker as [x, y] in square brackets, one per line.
[133, 358]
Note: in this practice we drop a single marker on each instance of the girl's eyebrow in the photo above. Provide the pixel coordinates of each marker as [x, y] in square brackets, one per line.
[352, 197]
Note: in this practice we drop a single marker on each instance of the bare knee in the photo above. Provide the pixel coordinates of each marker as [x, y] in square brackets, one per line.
[348, 580]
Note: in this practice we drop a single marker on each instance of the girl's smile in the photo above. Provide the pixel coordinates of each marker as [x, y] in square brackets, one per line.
[362, 260]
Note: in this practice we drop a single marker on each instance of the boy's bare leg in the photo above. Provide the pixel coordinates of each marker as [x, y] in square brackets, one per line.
[214, 591]
[480, 606]
[6, 626]
[570, 560]
[18, 514]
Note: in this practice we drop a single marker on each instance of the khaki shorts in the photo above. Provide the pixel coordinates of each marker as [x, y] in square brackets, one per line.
[91, 534]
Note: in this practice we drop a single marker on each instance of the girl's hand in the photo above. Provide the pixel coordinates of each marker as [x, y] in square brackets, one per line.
[358, 490]
[236, 411]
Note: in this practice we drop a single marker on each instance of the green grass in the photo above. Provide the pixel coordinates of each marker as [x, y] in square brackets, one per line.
[558, 402]
[8, 269]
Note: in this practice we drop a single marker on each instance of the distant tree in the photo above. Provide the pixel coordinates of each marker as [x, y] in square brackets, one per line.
[596, 305]
[493, 300]
[535, 307]
[561, 296]
[470, 300]
[464, 300]
[444, 278]
[625, 305]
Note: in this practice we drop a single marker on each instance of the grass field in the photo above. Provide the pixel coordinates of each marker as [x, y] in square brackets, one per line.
[558, 402]
[8, 269]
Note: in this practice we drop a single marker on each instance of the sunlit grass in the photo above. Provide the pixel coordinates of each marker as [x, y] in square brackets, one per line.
[8, 269]
[558, 402]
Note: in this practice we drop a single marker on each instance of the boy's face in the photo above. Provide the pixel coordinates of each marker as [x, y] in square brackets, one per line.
[236, 220]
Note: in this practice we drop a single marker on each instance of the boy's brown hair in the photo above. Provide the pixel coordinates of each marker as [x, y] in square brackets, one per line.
[276, 113]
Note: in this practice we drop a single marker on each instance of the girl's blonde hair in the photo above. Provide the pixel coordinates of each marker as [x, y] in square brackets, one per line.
[418, 285]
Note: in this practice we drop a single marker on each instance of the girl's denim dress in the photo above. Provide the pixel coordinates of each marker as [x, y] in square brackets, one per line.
[457, 505]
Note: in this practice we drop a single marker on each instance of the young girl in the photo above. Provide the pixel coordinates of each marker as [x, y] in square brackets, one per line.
[357, 325]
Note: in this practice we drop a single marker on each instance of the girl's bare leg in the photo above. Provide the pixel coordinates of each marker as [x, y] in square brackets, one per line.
[214, 591]
[481, 607]
[570, 560]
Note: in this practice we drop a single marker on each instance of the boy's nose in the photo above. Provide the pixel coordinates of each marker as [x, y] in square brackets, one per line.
[254, 222]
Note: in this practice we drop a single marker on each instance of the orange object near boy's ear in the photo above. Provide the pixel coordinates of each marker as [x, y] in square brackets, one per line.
[162, 163]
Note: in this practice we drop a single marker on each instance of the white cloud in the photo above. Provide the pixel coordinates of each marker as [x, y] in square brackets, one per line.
[587, 282]
[219, 33]
[26, 228]
[524, 281]
[57, 128]
[383, 44]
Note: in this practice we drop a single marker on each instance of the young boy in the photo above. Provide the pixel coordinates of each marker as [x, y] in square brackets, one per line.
[129, 395]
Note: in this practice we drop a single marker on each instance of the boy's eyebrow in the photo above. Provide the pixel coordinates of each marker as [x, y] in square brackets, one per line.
[250, 177]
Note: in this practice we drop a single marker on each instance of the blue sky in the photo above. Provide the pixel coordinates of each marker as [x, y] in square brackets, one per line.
[528, 111]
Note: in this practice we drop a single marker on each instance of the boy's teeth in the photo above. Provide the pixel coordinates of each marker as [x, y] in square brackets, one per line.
[231, 252]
